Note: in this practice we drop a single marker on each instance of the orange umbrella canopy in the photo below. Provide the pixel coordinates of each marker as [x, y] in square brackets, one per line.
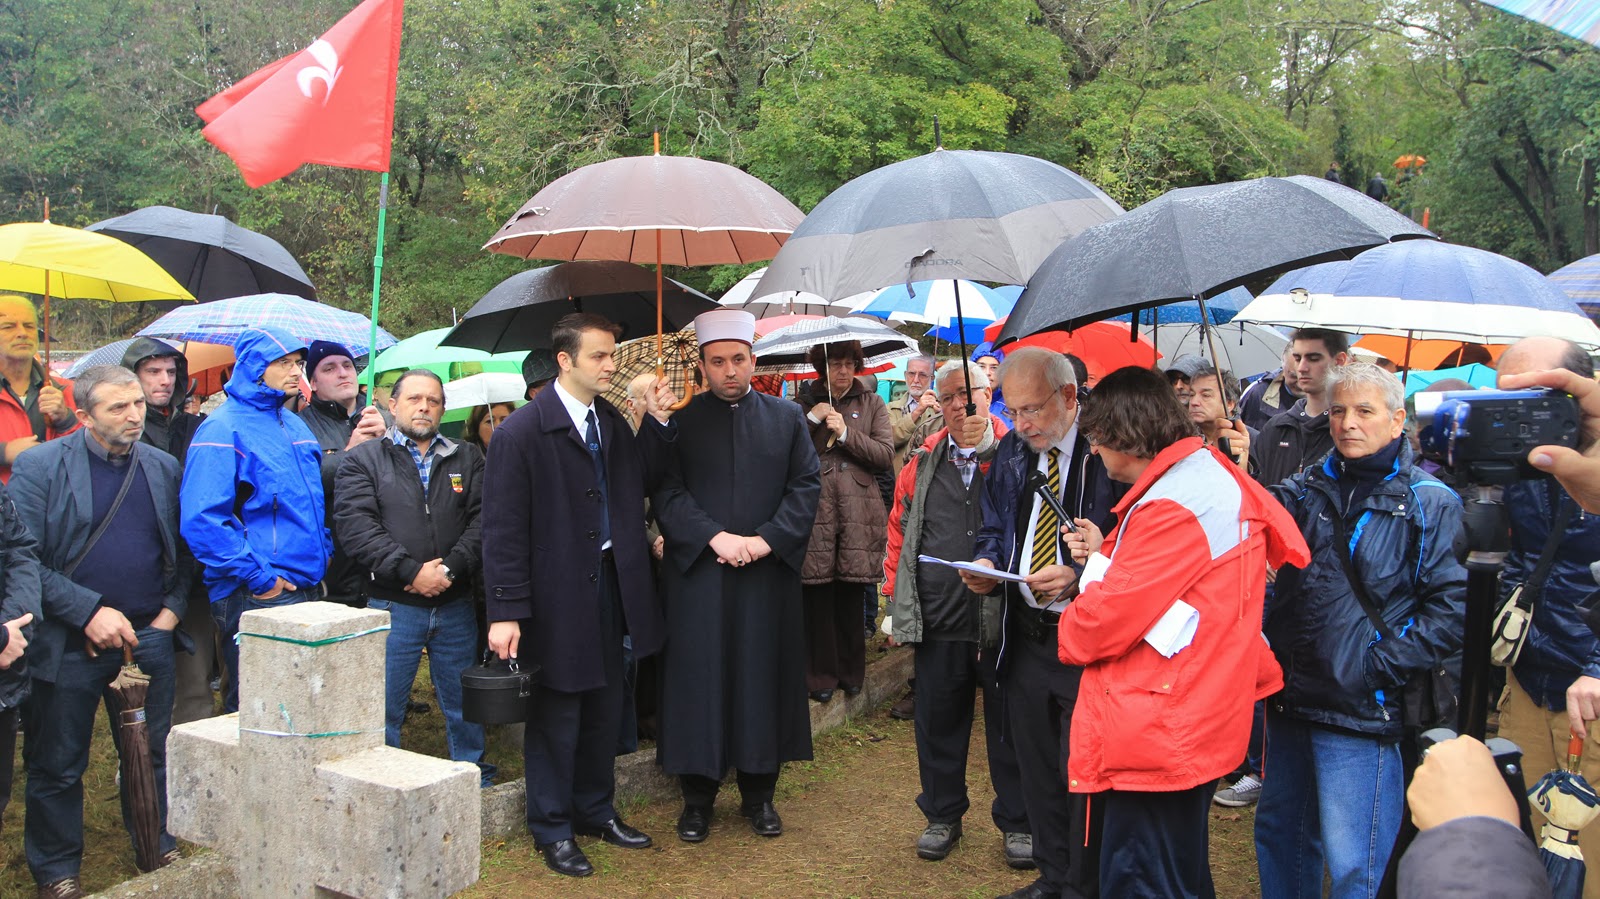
[1103, 346]
[1428, 355]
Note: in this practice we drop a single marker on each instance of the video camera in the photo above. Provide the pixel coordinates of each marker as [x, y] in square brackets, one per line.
[1484, 436]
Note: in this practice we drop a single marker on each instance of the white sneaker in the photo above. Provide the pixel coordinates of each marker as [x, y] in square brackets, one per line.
[1245, 792]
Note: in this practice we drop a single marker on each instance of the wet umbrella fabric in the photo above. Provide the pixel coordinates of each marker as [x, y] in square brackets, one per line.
[518, 313]
[785, 302]
[1425, 290]
[1199, 241]
[209, 255]
[788, 348]
[223, 321]
[1581, 281]
[142, 801]
[1104, 347]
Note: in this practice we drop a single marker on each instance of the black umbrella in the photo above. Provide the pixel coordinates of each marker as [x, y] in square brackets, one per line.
[519, 312]
[1195, 242]
[211, 256]
[967, 214]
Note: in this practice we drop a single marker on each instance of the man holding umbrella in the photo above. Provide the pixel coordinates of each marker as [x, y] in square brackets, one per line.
[1021, 534]
[105, 511]
[738, 493]
[33, 406]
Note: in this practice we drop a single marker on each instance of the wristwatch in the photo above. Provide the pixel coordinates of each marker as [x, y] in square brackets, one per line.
[448, 574]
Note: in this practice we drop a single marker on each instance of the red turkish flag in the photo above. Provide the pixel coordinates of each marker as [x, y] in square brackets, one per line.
[329, 104]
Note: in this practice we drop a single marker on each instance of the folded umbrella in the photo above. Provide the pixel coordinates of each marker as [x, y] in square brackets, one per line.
[222, 322]
[1568, 804]
[141, 800]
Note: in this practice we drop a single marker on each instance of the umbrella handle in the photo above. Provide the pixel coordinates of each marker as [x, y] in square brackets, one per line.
[127, 656]
[1575, 750]
[690, 388]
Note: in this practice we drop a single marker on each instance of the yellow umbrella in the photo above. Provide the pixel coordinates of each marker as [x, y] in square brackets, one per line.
[69, 263]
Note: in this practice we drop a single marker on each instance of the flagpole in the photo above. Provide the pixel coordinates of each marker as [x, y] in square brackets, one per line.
[377, 278]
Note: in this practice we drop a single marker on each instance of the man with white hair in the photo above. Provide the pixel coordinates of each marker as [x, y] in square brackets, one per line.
[919, 407]
[1379, 605]
[937, 510]
[1021, 533]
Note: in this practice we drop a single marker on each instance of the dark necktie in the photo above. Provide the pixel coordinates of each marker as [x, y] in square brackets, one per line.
[591, 439]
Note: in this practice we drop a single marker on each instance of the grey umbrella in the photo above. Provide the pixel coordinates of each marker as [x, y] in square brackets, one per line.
[969, 214]
[787, 350]
[211, 256]
[517, 313]
[1195, 242]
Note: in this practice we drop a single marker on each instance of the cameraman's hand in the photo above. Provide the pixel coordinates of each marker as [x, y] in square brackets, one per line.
[1458, 779]
[1578, 472]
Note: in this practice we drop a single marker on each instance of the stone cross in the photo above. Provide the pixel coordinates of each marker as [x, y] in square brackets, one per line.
[299, 788]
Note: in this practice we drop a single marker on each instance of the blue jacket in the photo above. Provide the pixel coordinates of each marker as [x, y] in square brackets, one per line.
[54, 491]
[1336, 669]
[252, 483]
[1560, 646]
[1005, 516]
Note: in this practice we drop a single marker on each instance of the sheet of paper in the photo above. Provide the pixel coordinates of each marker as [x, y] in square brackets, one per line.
[1094, 570]
[975, 569]
[1175, 630]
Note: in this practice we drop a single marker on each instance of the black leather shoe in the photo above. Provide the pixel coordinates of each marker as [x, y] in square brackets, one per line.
[853, 691]
[821, 695]
[564, 857]
[617, 833]
[694, 825]
[1035, 890]
[764, 820]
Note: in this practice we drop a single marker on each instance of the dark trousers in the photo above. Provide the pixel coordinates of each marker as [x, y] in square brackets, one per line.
[949, 674]
[836, 653]
[1155, 845]
[754, 789]
[570, 745]
[1040, 693]
[10, 722]
[226, 613]
[57, 728]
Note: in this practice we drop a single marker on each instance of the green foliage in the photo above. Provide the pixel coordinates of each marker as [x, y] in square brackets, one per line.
[497, 98]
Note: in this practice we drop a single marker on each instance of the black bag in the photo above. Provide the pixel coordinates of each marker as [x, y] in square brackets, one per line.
[1428, 700]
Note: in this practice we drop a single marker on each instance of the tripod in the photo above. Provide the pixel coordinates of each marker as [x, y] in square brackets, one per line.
[1487, 526]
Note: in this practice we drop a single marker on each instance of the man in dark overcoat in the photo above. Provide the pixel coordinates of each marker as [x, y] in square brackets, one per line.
[567, 573]
[738, 494]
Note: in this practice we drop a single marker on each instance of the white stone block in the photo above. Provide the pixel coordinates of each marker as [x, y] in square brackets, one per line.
[203, 782]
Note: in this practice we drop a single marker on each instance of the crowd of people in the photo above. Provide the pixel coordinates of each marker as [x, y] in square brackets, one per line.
[1178, 595]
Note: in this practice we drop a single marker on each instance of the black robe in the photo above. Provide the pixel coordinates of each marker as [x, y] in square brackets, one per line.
[733, 671]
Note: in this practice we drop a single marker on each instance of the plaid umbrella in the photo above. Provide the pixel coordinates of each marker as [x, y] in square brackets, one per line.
[141, 798]
[224, 320]
[680, 352]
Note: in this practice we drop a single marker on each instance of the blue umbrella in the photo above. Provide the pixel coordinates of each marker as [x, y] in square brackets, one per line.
[1574, 18]
[1568, 804]
[1221, 309]
[1475, 374]
[223, 321]
[935, 302]
[1425, 290]
[1581, 281]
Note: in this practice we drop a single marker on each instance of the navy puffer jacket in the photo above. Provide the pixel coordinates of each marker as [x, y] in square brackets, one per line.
[1337, 670]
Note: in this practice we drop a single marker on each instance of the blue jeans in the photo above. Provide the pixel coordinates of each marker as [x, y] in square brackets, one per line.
[450, 635]
[1332, 797]
[58, 725]
[226, 612]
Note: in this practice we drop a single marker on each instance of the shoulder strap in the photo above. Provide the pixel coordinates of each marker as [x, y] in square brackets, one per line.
[1343, 550]
[1534, 586]
[105, 523]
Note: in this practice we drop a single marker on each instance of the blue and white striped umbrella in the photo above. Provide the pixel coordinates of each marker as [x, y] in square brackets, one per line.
[1581, 281]
[222, 321]
[1425, 290]
[935, 302]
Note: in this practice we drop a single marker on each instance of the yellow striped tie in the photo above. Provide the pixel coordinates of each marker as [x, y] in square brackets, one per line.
[1047, 531]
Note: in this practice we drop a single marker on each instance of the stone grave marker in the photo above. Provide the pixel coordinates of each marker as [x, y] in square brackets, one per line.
[298, 787]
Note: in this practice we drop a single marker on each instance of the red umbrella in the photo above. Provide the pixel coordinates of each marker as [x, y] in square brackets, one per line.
[660, 210]
[1103, 346]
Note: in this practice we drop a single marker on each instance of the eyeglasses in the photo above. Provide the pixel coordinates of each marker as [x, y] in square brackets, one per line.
[1030, 413]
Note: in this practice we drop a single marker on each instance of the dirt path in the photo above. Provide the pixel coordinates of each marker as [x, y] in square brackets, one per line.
[850, 828]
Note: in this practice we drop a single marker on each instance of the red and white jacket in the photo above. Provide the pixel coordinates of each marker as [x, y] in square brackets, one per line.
[1193, 527]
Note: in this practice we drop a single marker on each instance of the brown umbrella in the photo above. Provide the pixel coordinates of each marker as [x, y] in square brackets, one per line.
[661, 210]
[143, 801]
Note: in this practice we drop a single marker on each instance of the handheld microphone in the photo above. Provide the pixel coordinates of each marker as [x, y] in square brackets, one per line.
[1040, 485]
